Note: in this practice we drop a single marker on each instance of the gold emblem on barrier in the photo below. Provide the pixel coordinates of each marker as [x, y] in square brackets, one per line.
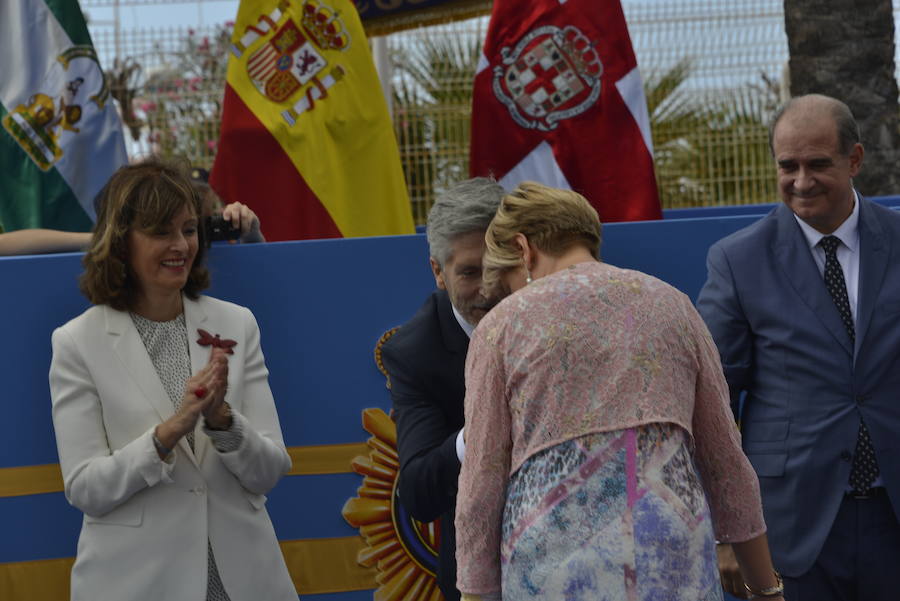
[403, 550]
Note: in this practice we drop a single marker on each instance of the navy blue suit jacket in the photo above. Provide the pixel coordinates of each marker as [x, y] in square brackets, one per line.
[426, 361]
[782, 341]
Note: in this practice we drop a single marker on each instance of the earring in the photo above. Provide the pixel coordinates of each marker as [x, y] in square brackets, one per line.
[528, 279]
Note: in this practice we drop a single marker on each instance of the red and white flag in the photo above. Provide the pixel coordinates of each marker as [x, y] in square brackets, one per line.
[558, 99]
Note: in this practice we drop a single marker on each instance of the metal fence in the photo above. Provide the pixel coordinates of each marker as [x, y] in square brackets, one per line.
[712, 71]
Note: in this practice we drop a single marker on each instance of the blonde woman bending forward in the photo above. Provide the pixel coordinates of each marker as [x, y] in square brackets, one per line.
[602, 460]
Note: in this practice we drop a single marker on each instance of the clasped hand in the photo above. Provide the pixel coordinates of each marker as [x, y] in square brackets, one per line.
[204, 394]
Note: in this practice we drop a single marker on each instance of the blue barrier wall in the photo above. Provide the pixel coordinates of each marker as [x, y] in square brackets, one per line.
[758, 209]
[321, 307]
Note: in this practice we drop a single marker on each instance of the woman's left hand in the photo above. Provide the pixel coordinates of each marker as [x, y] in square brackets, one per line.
[241, 216]
[217, 413]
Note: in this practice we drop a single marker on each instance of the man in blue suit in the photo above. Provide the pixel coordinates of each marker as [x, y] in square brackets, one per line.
[426, 362]
[804, 306]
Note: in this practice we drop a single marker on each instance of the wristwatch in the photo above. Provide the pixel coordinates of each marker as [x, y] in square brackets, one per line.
[771, 591]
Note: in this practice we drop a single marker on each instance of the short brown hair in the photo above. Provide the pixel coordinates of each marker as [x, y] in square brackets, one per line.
[847, 128]
[144, 196]
[553, 220]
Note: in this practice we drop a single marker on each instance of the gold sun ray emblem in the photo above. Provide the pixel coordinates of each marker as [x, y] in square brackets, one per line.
[402, 549]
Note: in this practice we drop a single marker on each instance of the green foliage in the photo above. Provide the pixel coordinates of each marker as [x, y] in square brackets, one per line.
[432, 113]
[123, 80]
[176, 110]
[710, 147]
[184, 112]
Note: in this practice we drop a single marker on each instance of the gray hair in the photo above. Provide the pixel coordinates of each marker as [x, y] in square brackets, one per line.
[847, 128]
[466, 207]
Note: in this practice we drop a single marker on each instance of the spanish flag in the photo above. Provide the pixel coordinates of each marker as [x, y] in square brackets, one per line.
[306, 138]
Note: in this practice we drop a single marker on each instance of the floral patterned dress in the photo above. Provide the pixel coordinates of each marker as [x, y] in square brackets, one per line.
[602, 458]
[610, 515]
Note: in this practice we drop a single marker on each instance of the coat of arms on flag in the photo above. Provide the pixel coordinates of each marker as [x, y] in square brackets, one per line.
[558, 82]
[552, 74]
[306, 137]
[291, 57]
[61, 136]
[48, 120]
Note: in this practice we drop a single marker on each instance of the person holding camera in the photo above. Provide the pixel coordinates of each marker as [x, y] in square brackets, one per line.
[241, 223]
[166, 427]
[235, 222]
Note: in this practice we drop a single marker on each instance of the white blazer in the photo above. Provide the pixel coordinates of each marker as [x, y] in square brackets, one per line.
[146, 522]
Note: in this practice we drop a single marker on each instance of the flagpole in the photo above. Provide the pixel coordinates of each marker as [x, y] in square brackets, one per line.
[382, 58]
[116, 29]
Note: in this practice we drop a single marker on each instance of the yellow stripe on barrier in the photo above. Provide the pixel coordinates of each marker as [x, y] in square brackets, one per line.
[42, 580]
[30, 480]
[317, 566]
[327, 565]
[307, 461]
[325, 459]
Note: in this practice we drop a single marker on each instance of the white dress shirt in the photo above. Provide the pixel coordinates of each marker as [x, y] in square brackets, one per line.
[468, 329]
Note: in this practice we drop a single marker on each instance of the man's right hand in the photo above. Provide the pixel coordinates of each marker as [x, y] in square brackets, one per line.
[732, 581]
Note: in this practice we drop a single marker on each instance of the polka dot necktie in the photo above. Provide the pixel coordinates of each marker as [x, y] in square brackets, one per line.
[865, 467]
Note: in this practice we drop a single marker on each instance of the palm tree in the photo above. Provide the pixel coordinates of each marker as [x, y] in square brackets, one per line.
[432, 113]
[846, 50]
[710, 148]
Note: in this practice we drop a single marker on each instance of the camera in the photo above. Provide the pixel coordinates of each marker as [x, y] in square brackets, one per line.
[217, 228]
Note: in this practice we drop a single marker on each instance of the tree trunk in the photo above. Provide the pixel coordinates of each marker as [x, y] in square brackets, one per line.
[845, 49]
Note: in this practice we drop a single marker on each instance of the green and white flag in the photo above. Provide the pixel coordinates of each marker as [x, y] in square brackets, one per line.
[61, 137]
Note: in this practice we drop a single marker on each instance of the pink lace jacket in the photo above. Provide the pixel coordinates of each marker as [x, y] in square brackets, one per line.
[591, 348]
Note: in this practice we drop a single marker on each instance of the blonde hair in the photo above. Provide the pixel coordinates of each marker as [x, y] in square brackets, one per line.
[146, 197]
[553, 220]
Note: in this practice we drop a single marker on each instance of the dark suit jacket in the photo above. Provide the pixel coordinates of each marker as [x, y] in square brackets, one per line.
[782, 341]
[426, 362]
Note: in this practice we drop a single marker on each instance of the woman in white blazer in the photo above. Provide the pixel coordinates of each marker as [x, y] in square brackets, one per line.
[167, 432]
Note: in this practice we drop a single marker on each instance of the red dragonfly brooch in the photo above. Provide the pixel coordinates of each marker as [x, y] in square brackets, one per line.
[207, 339]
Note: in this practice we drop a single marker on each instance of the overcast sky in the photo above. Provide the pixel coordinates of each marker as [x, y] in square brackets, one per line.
[209, 12]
